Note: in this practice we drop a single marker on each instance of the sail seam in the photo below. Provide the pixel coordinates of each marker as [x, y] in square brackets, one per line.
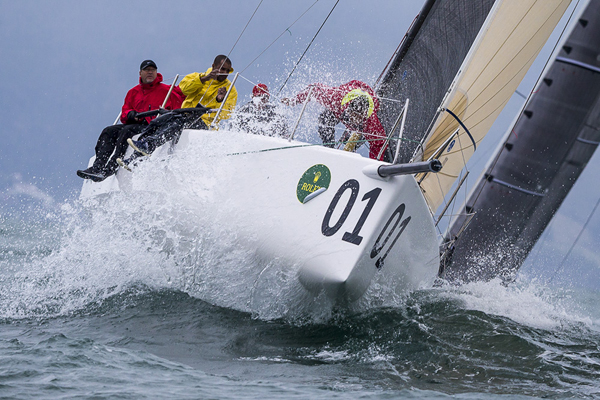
[516, 74]
[502, 47]
[511, 61]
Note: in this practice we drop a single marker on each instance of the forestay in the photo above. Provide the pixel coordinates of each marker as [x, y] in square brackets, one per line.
[509, 41]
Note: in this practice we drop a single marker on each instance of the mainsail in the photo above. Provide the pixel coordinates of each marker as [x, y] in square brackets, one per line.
[509, 41]
[425, 64]
[537, 163]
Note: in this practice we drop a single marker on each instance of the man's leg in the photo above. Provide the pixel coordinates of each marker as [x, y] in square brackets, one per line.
[104, 148]
[194, 121]
[106, 145]
[121, 146]
[166, 132]
[157, 132]
[161, 130]
[169, 128]
[327, 123]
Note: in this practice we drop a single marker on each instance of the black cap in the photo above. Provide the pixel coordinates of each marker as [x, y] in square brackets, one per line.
[148, 63]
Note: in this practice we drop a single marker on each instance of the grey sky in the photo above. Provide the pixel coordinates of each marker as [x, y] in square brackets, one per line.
[68, 64]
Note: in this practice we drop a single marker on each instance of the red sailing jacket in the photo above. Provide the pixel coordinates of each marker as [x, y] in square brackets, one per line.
[150, 96]
[332, 99]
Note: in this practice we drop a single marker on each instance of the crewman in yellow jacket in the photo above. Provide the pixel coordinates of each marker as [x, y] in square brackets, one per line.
[209, 89]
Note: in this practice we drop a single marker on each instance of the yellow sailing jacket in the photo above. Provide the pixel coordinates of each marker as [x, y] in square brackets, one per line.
[206, 94]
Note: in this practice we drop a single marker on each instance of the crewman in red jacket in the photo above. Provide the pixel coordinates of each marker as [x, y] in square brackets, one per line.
[148, 95]
[354, 104]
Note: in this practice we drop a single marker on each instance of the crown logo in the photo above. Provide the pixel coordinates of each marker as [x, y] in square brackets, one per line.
[317, 176]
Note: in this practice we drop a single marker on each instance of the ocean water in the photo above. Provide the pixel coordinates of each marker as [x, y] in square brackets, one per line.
[128, 297]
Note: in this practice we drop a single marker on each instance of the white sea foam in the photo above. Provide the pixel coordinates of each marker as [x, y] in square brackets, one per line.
[526, 302]
[167, 233]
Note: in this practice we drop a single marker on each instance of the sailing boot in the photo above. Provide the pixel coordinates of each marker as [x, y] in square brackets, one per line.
[110, 168]
[94, 172]
[124, 163]
[104, 148]
[129, 162]
[139, 146]
[91, 174]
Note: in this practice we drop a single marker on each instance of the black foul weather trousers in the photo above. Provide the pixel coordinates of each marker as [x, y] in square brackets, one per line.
[169, 127]
[113, 141]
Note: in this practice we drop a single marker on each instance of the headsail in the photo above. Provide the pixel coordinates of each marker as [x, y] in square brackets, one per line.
[426, 63]
[508, 43]
[537, 163]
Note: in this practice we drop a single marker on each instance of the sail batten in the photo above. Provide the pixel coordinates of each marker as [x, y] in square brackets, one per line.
[509, 41]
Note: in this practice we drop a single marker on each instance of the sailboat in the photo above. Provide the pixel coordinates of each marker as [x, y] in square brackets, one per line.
[334, 220]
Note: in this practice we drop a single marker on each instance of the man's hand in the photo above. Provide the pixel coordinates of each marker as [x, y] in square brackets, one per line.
[212, 75]
[221, 94]
[132, 117]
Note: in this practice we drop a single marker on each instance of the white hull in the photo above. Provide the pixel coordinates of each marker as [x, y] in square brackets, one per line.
[337, 241]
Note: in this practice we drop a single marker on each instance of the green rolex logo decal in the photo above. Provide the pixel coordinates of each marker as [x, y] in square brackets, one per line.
[316, 177]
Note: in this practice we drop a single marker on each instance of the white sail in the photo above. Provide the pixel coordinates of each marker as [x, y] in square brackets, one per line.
[511, 38]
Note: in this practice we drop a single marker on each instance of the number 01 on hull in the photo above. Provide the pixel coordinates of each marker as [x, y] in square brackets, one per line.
[314, 208]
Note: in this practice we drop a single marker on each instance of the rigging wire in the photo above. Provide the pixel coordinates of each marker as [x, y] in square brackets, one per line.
[432, 212]
[233, 47]
[463, 126]
[464, 168]
[311, 42]
[244, 30]
[576, 240]
[267, 48]
[396, 51]
[277, 38]
[247, 80]
[360, 141]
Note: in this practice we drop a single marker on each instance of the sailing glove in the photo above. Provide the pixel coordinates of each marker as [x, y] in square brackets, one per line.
[131, 117]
